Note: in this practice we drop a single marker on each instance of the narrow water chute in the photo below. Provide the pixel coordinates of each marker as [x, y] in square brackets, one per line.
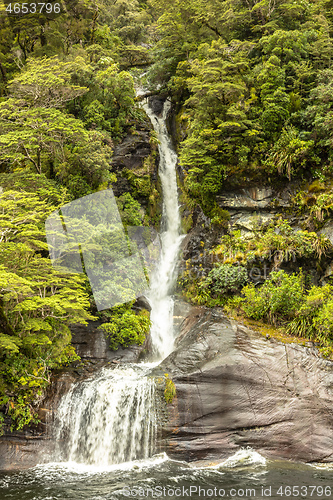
[163, 280]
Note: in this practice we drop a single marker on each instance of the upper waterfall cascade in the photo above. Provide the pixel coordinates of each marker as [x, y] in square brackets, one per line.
[163, 279]
[110, 418]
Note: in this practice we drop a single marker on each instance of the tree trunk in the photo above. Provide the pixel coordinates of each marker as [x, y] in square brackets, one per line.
[4, 325]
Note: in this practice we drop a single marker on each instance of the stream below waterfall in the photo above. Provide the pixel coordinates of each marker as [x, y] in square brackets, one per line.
[160, 477]
[106, 425]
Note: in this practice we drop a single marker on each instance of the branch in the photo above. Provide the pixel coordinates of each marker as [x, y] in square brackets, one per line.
[34, 376]
[205, 23]
[33, 161]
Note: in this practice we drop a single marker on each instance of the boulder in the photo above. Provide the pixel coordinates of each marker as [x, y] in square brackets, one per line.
[141, 303]
[156, 103]
[236, 388]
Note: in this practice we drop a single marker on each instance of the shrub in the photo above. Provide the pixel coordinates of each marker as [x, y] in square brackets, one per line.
[278, 240]
[170, 389]
[314, 319]
[277, 300]
[126, 328]
[130, 210]
[227, 278]
[219, 216]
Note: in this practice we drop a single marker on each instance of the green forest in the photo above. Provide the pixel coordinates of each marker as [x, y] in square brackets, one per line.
[251, 84]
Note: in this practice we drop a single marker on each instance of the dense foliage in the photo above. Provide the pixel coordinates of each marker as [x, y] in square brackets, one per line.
[288, 300]
[252, 81]
[37, 303]
[66, 99]
[126, 327]
[251, 86]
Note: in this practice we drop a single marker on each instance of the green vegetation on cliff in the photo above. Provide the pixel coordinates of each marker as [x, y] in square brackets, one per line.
[253, 82]
[251, 86]
[66, 100]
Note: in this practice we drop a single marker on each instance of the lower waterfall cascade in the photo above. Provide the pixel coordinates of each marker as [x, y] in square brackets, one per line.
[110, 418]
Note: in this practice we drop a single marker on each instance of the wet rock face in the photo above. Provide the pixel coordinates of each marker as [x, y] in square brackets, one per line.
[156, 103]
[130, 155]
[91, 344]
[252, 198]
[131, 152]
[255, 204]
[237, 389]
[19, 451]
[88, 341]
[194, 246]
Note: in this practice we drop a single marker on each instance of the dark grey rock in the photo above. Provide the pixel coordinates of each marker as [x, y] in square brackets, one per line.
[235, 389]
[91, 344]
[156, 103]
[130, 155]
[327, 230]
[141, 303]
[251, 198]
[131, 152]
[22, 451]
[89, 341]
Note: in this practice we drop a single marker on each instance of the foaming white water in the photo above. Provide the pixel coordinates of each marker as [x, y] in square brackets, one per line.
[108, 419]
[321, 466]
[81, 468]
[163, 279]
[243, 457]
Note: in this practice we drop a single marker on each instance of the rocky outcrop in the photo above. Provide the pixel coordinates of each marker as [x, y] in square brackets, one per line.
[257, 204]
[20, 450]
[131, 152]
[156, 103]
[236, 389]
[130, 155]
[90, 344]
[247, 207]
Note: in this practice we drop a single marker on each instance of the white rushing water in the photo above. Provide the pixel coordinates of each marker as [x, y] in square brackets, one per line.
[110, 418]
[163, 280]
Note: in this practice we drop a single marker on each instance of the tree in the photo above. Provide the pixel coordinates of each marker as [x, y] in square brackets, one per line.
[220, 131]
[30, 136]
[50, 140]
[46, 83]
[37, 302]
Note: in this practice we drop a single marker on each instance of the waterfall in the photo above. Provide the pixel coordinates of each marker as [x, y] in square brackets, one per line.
[110, 417]
[163, 280]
